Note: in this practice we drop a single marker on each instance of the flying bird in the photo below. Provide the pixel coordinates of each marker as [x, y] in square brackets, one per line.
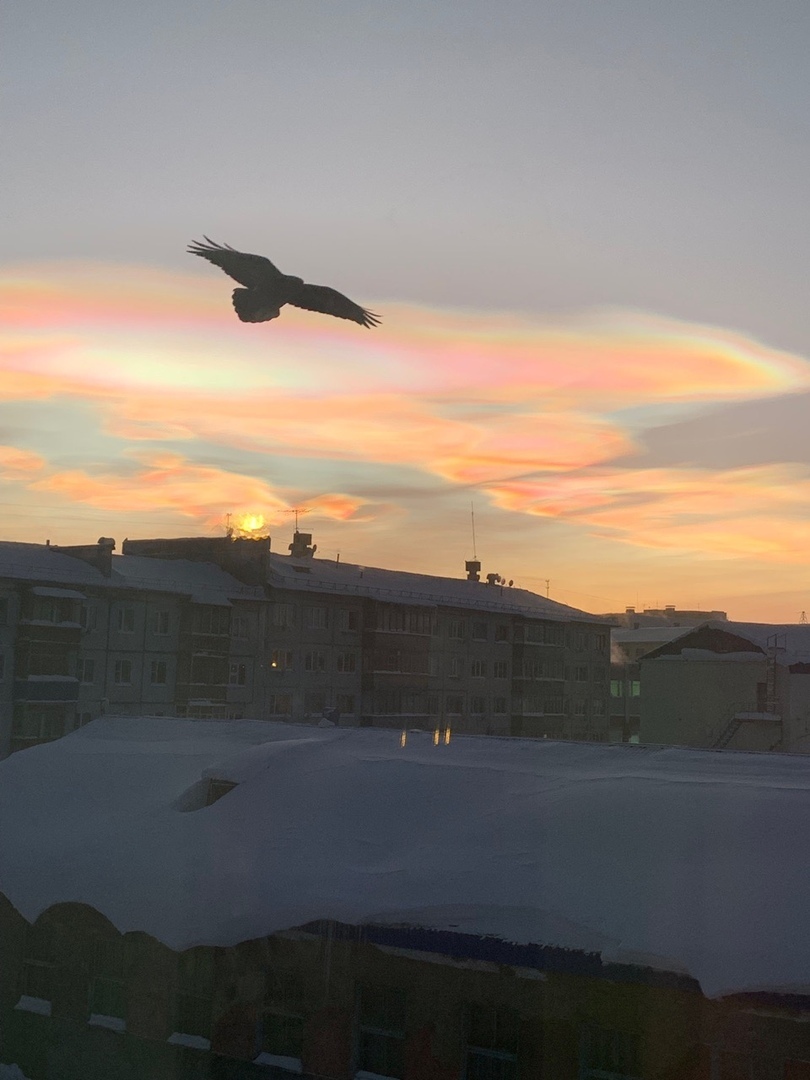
[267, 290]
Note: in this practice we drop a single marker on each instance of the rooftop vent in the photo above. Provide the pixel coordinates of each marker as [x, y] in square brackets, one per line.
[473, 569]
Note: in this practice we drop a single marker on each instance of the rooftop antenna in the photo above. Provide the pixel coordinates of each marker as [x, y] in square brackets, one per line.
[228, 529]
[296, 510]
[803, 617]
[548, 585]
[472, 519]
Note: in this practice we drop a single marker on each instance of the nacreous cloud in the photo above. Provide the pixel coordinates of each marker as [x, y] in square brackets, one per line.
[532, 411]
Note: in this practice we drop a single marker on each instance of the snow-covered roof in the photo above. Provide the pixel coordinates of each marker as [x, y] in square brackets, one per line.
[204, 582]
[41, 563]
[692, 861]
[401, 587]
[792, 641]
[646, 634]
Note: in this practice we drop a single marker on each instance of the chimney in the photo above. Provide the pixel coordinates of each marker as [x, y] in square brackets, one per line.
[473, 569]
[629, 611]
[302, 546]
[98, 555]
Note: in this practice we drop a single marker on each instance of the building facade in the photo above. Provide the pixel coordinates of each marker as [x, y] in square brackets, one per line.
[221, 628]
[337, 1002]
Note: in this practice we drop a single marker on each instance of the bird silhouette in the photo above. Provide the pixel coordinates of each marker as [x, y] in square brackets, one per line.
[267, 290]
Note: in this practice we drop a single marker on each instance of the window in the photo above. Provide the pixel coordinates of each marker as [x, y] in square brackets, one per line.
[608, 1055]
[499, 706]
[453, 667]
[346, 662]
[479, 631]
[478, 705]
[345, 703]
[209, 619]
[455, 705]
[38, 963]
[616, 688]
[239, 626]
[455, 629]
[600, 642]
[315, 618]
[283, 616]
[87, 670]
[237, 675]
[160, 623]
[314, 701]
[209, 670]
[123, 672]
[536, 632]
[194, 992]
[107, 987]
[314, 661]
[581, 673]
[500, 669]
[580, 708]
[157, 675]
[492, 1043]
[381, 1031]
[478, 669]
[38, 723]
[279, 704]
[281, 659]
[597, 707]
[282, 1023]
[126, 620]
[53, 609]
[348, 619]
[502, 632]
[88, 617]
[635, 689]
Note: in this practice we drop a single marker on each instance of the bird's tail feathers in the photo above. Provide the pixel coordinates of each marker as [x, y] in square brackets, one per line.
[253, 306]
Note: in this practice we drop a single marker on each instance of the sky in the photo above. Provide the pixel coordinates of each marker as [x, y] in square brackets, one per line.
[583, 224]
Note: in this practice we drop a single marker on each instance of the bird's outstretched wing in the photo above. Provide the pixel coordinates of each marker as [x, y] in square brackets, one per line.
[331, 302]
[250, 270]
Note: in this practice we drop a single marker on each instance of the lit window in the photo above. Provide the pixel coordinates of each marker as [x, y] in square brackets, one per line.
[616, 688]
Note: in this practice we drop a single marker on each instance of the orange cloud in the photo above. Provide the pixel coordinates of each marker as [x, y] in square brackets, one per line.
[169, 482]
[16, 464]
[733, 512]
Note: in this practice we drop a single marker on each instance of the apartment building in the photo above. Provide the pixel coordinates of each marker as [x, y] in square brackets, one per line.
[218, 628]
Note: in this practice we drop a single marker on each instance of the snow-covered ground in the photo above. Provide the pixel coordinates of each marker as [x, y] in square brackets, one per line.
[693, 861]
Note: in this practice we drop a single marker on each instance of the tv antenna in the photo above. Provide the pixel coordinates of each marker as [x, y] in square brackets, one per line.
[472, 519]
[297, 510]
[803, 617]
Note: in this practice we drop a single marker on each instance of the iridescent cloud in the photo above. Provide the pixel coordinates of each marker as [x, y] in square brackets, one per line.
[170, 482]
[528, 410]
[756, 510]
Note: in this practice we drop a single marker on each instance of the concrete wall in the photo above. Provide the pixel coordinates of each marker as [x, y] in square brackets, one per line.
[688, 702]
